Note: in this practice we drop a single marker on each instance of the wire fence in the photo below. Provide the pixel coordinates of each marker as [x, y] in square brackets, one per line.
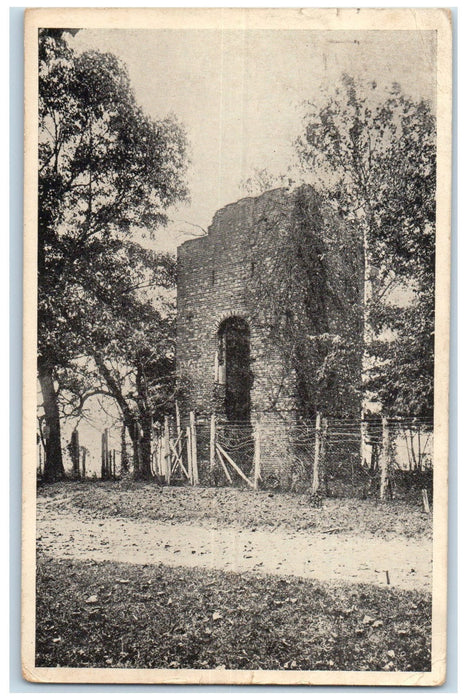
[332, 456]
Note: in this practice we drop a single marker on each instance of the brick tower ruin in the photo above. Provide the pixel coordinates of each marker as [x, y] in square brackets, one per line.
[238, 315]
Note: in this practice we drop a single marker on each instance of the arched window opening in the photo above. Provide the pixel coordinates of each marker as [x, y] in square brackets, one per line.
[233, 367]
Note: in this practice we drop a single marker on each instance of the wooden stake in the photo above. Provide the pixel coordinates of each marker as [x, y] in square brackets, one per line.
[138, 458]
[224, 466]
[419, 450]
[237, 469]
[322, 457]
[384, 459]
[194, 450]
[212, 444]
[179, 428]
[124, 466]
[178, 460]
[75, 452]
[189, 454]
[104, 455]
[426, 504]
[168, 464]
[315, 482]
[362, 442]
[83, 465]
[257, 455]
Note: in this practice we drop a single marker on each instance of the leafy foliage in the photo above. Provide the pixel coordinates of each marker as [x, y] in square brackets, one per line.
[106, 170]
[376, 160]
[127, 333]
[308, 299]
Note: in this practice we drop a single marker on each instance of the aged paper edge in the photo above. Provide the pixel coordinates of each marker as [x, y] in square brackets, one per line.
[233, 18]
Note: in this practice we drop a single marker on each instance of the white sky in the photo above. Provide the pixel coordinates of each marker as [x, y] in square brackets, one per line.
[239, 93]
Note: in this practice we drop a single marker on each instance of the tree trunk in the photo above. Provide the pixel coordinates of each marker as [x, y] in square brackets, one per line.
[140, 434]
[124, 467]
[146, 445]
[135, 434]
[53, 465]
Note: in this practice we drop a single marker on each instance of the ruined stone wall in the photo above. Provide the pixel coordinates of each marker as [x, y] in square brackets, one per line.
[218, 279]
[215, 275]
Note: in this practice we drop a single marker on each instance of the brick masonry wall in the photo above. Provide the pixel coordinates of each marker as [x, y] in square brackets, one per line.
[214, 276]
[215, 282]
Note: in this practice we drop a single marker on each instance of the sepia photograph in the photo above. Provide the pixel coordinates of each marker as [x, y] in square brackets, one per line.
[236, 365]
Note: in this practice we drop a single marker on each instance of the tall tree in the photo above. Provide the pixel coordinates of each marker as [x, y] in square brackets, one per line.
[133, 349]
[375, 157]
[105, 170]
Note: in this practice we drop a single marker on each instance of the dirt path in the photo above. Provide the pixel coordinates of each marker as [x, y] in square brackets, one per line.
[326, 557]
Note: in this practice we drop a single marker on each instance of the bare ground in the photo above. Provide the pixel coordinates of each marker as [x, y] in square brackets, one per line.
[236, 507]
[387, 545]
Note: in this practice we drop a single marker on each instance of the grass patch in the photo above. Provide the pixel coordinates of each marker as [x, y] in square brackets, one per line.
[118, 615]
[236, 507]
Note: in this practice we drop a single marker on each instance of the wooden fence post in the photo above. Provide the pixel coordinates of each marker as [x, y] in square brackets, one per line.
[83, 462]
[212, 445]
[384, 458]
[177, 420]
[160, 455]
[363, 440]
[426, 504]
[137, 456]
[322, 457]
[107, 459]
[167, 460]
[75, 452]
[104, 455]
[40, 460]
[194, 450]
[257, 454]
[189, 454]
[124, 465]
[315, 481]
[178, 424]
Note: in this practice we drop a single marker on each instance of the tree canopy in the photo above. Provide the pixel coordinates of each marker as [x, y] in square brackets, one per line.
[106, 170]
[375, 158]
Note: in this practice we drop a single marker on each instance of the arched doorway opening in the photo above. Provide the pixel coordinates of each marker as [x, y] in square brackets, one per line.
[234, 355]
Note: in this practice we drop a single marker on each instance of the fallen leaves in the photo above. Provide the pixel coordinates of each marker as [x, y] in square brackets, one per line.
[233, 506]
[367, 620]
[185, 618]
[258, 621]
